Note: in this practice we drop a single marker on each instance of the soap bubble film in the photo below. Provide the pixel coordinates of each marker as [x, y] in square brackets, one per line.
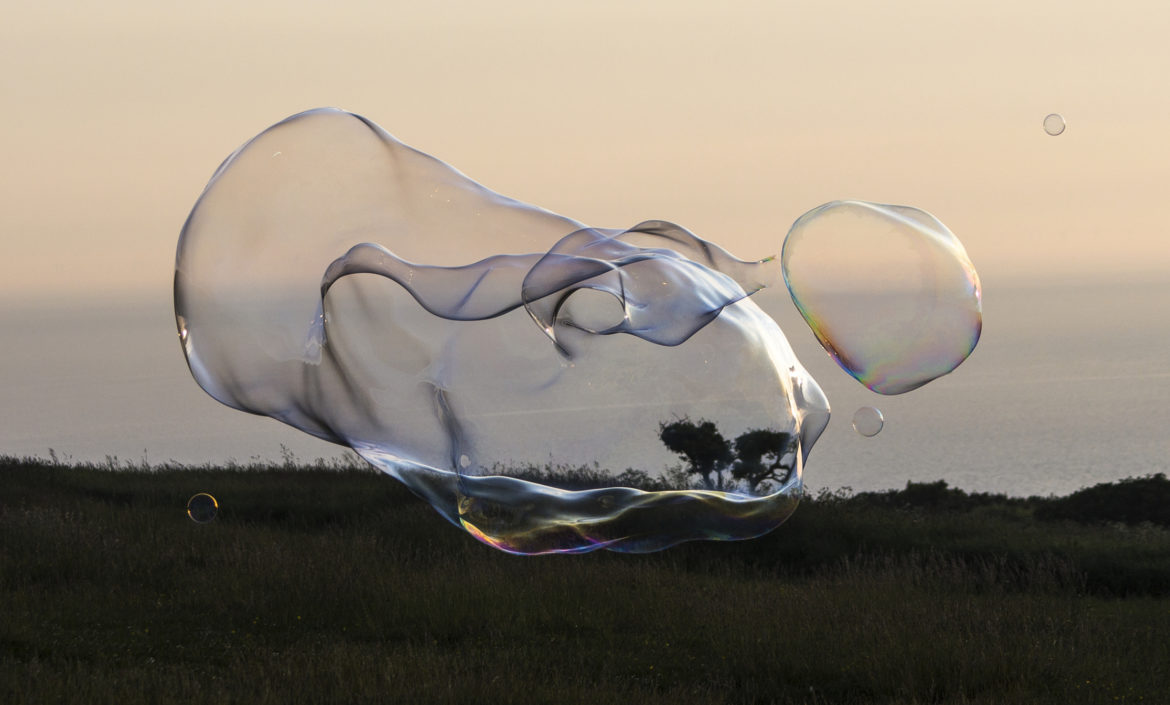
[868, 421]
[481, 350]
[202, 508]
[888, 291]
[1054, 124]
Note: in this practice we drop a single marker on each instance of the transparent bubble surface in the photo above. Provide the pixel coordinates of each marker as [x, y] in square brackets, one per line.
[868, 421]
[515, 368]
[888, 291]
[1054, 124]
[202, 508]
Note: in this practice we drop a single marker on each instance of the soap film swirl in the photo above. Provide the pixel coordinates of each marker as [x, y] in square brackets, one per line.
[357, 289]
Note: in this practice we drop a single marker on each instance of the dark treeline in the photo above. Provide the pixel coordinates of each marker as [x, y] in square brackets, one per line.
[1131, 501]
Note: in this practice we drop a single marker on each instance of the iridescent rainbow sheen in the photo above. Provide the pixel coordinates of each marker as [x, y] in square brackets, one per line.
[888, 291]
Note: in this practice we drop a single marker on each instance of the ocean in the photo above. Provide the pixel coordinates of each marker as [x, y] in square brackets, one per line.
[1069, 386]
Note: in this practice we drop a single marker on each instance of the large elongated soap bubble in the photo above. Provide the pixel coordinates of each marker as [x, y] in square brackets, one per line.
[471, 346]
[888, 291]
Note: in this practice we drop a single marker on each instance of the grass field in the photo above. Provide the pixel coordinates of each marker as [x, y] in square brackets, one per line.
[319, 585]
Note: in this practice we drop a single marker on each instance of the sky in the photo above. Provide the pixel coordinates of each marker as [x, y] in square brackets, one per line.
[731, 119]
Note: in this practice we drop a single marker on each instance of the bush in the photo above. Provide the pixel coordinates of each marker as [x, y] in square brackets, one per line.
[930, 496]
[1131, 501]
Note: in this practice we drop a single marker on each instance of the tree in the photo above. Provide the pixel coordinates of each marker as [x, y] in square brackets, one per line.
[704, 449]
[763, 456]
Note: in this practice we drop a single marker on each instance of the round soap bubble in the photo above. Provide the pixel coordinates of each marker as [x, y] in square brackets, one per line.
[888, 291]
[545, 385]
[202, 508]
[1054, 124]
[868, 421]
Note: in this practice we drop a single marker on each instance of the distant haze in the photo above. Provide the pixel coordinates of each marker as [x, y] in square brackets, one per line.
[1058, 395]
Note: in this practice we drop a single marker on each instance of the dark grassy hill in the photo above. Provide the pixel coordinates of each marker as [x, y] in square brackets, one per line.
[324, 585]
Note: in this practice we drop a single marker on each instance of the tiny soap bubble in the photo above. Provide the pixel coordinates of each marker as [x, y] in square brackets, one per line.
[1054, 124]
[868, 421]
[202, 508]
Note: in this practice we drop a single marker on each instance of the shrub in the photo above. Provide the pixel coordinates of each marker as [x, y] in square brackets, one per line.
[1131, 501]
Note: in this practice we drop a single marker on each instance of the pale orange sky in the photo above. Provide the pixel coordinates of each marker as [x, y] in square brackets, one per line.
[730, 119]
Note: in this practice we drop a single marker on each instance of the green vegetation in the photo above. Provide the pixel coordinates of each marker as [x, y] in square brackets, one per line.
[1133, 501]
[334, 585]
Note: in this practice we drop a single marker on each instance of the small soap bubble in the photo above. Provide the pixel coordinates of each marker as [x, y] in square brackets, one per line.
[868, 421]
[1054, 124]
[202, 508]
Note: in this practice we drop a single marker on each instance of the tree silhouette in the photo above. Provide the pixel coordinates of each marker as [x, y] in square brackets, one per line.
[704, 449]
[764, 455]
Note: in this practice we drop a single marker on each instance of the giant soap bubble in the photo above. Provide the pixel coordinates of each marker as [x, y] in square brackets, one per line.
[545, 385]
[350, 286]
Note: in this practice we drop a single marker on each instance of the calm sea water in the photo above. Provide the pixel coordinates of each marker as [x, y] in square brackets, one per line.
[1069, 386]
